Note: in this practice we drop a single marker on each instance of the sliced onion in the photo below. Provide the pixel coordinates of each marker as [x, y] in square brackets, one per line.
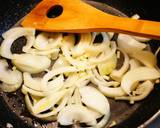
[103, 121]
[56, 84]
[33, 83]
[68, 41]
[75, 113]
[51, 52]
[117, 74]
[109, 91]
[79, 49]
[104, 57]
[47, 41]
[60, 62]
[100, 103]
[97, 48]
[48, 102]
[101, 79]
[129, 44]
[29, 104]
[8, 76]
[144, 89]
[136, 75]
[108, 66]
[11, 36]
[53, 73]
[82, 65]
[9, 87]
[134, 64]
[26, 90]
[31, 63]
[145, 57]
[55, 111]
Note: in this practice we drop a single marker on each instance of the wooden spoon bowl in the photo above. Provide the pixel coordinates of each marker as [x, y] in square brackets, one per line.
[78, 17]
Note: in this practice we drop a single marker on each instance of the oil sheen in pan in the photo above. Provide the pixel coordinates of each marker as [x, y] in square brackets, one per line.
[120, 110]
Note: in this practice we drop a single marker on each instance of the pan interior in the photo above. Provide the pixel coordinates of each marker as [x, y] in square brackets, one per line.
[120, 110]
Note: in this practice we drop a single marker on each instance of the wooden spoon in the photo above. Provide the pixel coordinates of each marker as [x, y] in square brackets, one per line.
[79, 17]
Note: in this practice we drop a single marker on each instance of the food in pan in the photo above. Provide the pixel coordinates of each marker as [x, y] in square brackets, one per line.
[68, 80]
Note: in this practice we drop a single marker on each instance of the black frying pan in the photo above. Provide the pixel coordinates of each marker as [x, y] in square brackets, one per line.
[12, 107]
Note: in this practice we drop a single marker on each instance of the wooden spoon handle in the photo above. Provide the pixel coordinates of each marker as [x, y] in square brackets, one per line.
[150, 29]
[78, 17]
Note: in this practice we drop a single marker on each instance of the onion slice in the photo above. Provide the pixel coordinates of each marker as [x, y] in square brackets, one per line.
[136, 75]
[129, 44]
[145, 57]
[31, 63]
[13, 34]
[75, 113]
[143, 89]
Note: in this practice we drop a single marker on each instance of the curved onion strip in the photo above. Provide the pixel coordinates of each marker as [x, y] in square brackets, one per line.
[79, 64]
[28, 103]
[145, 89]
[68, 41]
[83, 81]
[9, 87]
[43, 53]
[71, 80]
[103, 81]
[136, 75]
[145, 57]
[77, 97]
[103, 121]
[8, 76]
[53, 73]
[134, 64]
[46, 41]
[33, 83]
[10, 37]
[56, 84]
[29, 44]
[31, 63]
[60, 62]
[79, 49]
[108, 91]
[108, 66]
[48, 102]
[104, 57]
[117, 74]
[26, 90]
[100, 102]
[90, 51]
[129, 44]
[55, 110]
[72, 113]
[99, 48]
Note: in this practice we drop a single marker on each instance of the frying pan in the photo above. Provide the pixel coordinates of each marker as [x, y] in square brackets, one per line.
[12, 106]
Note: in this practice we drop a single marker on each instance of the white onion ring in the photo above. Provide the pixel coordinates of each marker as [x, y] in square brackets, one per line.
[11, 36]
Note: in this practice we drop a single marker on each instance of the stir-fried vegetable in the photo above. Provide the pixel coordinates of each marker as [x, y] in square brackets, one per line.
[75, 77]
